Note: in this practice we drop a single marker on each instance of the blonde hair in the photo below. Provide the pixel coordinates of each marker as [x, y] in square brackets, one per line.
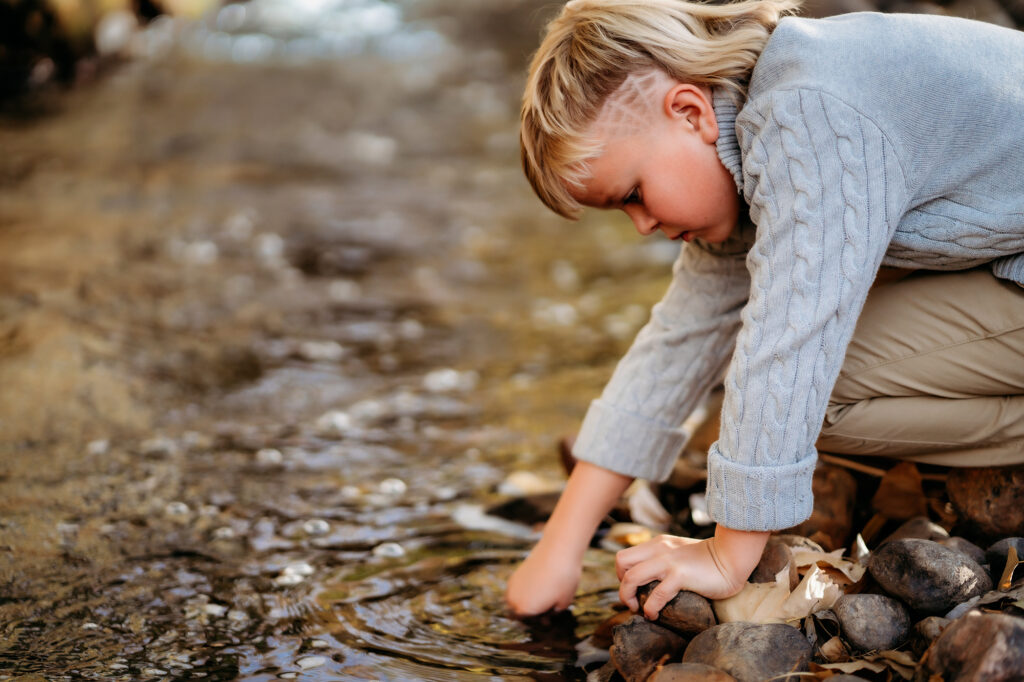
[590, 49]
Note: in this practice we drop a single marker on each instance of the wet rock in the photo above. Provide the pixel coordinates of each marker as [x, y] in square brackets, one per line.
[989, 500]
[640, 645]
[750, 652]
[530, 510]
[925, 632]
[872, 621]
[777, 556]
[927, 576]
[965, 546]
[997, 553]
[308, 662]
[688, 613]
[918, 527]
[391, 550]
[835, 491]
[690, 672]
[977, 648]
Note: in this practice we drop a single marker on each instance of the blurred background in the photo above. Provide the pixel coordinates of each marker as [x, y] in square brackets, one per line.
[284, 336]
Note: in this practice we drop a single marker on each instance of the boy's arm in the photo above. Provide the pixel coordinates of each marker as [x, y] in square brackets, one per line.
[548, 577]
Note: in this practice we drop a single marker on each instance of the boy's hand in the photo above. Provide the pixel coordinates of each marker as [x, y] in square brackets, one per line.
[715, 568]
[544, 581]
[548, 577]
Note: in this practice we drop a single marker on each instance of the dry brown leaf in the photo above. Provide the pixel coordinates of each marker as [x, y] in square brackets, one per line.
[900, 495]
[900, 662]
[834, 651]
[756, 602]
[1012, 562]
[850, 666]
[852, 570]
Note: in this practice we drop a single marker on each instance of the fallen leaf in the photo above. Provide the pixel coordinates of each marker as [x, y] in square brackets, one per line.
[900, 495]
[834, 651]
[756, 602]
[849, 666]
[622, 535]
[815, 592]
[1012, 562]
[852, 570]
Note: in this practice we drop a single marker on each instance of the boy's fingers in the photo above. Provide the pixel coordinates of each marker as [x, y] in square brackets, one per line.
[659, 596]
[641, 574]
[626, 559]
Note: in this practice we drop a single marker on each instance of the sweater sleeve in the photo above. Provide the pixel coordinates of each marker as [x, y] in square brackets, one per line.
[634, 427]
[822, 182]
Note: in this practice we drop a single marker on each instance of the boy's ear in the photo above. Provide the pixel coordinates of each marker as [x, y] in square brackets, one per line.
[690, 105]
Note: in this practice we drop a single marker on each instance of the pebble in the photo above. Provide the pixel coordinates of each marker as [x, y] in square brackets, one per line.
[688, 613]
[927, 576]
[300, 568]
[288, 579]
[445, 380]
[176, 509]
[872, 621]
[990, 500]
[158, 447]
[748, 651]
[224, 533]
[333, 424]
[638, 646]
[90, 626]
[318, 644]
[831, 521]
[215, 610]
[316, 527]
[690, 672]
[96, 448]
[965, 546]
[918, 527]
[308, 662]
[321, 351]
[392, 486]
[777, 556]
[925, 632]
[391, 550]
[979, 648]
[154, 672]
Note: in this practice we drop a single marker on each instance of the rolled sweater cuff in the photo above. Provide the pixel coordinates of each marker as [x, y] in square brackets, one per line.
[745, 497]
[628, 444]
[1010, 268]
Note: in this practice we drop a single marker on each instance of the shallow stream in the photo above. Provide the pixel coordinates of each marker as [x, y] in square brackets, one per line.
[278, 317]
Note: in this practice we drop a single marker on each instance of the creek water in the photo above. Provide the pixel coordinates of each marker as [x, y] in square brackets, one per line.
[278, 316]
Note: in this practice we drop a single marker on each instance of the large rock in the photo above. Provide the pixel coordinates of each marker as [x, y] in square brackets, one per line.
[640, 645]
[930, 578]
[690, 672]
[980, 648]
[688, 613]
[989, 500]
[830, 523]
[925, 632]
[751, 652]
[872, 621]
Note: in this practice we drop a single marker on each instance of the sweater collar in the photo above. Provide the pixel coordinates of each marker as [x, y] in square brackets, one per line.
[728, 146]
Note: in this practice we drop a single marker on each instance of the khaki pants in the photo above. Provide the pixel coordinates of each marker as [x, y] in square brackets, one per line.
[934, 373]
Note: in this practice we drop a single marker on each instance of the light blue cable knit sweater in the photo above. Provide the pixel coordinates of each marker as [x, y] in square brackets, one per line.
[865, 139]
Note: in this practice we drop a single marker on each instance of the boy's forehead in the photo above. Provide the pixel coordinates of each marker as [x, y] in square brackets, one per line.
[633, 103]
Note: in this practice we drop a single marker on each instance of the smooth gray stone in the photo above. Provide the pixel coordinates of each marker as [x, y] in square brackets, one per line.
[928, 577]
[872, 622]
[925, 632]
[638, 646]
[751, 652]
[688, 613]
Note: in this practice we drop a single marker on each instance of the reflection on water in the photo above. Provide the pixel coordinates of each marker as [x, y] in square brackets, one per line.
[277, 315]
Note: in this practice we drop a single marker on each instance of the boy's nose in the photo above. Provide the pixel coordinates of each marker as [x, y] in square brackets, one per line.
[643, 221]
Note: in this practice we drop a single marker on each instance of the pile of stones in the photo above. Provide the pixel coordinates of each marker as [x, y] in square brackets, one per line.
[930, 607]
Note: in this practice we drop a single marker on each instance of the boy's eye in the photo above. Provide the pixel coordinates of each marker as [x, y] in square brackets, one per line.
[633, 197]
